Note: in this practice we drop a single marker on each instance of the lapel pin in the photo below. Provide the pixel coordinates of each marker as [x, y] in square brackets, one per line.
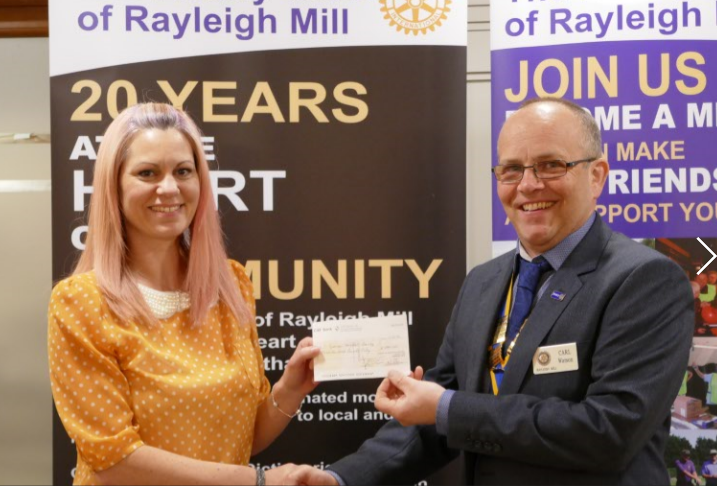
[557, 295]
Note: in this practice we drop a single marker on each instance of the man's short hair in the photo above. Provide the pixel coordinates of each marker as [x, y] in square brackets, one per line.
[591, 131]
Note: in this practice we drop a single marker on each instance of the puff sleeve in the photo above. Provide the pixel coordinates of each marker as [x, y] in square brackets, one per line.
[91, 394]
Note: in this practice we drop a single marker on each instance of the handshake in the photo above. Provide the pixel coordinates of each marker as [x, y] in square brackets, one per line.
[288, 474]
[408, 399]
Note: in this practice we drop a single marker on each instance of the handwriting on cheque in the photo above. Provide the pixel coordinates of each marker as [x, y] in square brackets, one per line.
[363, 354]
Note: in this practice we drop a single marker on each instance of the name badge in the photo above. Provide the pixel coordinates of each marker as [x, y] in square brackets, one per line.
[555, 359]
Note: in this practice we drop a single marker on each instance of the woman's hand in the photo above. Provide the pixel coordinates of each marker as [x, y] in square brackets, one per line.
[287, 394]
[298, 377]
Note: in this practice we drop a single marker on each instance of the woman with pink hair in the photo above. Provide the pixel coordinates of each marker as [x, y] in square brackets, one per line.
[154, 357]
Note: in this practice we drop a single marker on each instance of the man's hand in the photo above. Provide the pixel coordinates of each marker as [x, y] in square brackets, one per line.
[290, 474]
[407, 399]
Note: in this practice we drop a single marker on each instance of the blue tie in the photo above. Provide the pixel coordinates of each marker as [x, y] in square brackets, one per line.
[528, 276]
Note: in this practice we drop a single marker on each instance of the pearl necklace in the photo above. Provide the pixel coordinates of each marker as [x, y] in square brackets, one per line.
[165, 304]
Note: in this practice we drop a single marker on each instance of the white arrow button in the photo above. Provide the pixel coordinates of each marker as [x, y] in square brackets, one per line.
[709, 250]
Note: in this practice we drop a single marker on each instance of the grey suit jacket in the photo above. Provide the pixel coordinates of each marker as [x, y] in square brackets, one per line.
[630, 312]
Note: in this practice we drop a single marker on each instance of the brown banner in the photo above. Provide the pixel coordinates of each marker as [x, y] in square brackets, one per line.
[340, 176]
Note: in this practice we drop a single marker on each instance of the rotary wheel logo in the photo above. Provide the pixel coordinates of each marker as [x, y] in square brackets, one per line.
[543, 358]
[415, 15]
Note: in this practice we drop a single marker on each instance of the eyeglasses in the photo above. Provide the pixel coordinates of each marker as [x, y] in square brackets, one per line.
[548, 169]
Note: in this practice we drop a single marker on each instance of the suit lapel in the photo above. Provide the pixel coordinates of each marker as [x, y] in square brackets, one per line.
[485, 316]
[541, 320]
[584, 259]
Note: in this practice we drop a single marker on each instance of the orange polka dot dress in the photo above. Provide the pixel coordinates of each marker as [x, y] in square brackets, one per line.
[120, 385]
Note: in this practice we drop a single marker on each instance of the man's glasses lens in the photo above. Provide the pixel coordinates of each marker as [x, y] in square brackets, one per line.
[549, 169]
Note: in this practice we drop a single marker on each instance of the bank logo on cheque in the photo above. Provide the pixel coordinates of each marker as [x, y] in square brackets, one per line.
[414, 16]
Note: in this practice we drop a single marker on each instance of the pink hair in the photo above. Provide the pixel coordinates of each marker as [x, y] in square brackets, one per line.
[209, 278]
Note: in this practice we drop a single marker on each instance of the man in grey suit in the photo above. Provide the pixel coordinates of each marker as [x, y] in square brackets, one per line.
[561, 360]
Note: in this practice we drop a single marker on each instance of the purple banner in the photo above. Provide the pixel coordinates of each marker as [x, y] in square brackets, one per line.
[656, 104]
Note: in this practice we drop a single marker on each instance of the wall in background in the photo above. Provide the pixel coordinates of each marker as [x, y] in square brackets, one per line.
[25, 271]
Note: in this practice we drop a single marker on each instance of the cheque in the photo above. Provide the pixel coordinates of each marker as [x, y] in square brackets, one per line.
[353, 349]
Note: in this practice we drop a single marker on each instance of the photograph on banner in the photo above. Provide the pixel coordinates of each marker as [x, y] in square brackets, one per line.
[341, 189]
[694, 257]
[695, 407]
